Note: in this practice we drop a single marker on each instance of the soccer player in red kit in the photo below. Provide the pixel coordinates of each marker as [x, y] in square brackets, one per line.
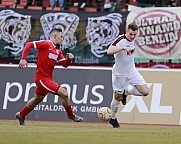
[48, 53]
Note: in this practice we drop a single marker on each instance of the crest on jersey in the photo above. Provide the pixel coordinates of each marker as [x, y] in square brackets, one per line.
[67, 22]
[57, 51]
[15, 30]
[101, 32]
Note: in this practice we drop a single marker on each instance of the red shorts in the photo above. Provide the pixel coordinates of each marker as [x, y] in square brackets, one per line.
[45, 86]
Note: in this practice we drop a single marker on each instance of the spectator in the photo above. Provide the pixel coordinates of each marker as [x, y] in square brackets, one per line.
[29, 3]
[82, 4]
[92, 3]
[118, 5]
[107, 5]
[53, 3]
[173, 3]
[73, 2]
[145, 3]
[36, 3]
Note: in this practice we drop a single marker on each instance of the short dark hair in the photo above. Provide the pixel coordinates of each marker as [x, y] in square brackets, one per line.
[133, 26]
[55, 29]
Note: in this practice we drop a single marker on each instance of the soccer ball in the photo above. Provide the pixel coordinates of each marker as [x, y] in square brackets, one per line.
[104, 113]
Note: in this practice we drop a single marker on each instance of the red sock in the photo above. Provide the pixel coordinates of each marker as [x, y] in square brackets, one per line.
[25, 111]
[69, 111]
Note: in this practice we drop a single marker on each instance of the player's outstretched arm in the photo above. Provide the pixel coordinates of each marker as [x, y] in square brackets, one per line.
[66, 62]
[114, 49]
[23, 62]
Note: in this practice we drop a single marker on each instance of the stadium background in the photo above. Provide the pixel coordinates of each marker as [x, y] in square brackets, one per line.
[88, 35]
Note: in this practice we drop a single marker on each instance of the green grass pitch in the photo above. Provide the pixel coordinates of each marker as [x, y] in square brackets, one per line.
[43, 132]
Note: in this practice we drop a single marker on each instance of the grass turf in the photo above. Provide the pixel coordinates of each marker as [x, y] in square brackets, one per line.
[39, 132]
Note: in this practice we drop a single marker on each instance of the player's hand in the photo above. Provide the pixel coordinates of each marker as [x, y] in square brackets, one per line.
[23, 63]
[70, 55]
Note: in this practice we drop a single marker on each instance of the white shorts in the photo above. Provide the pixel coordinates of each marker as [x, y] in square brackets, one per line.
[119, 83]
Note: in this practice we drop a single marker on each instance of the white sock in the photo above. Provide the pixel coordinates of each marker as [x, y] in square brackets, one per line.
[133, 91]
[114, 108]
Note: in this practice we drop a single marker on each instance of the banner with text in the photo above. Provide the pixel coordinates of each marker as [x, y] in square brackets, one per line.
[159, 32]
[87, 36]
[162, 106]
[89, 89]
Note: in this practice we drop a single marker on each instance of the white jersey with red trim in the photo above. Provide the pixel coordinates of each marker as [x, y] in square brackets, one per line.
[124, 63]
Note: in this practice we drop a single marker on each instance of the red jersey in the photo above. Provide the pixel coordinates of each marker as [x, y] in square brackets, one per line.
[47, 57]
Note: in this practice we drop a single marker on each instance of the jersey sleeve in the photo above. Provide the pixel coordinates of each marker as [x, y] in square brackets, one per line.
[118, 41]
[26, 50]
[64, 62]
[40, 44]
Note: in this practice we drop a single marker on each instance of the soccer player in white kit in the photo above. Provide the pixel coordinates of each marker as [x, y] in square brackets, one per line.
[124, 72]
